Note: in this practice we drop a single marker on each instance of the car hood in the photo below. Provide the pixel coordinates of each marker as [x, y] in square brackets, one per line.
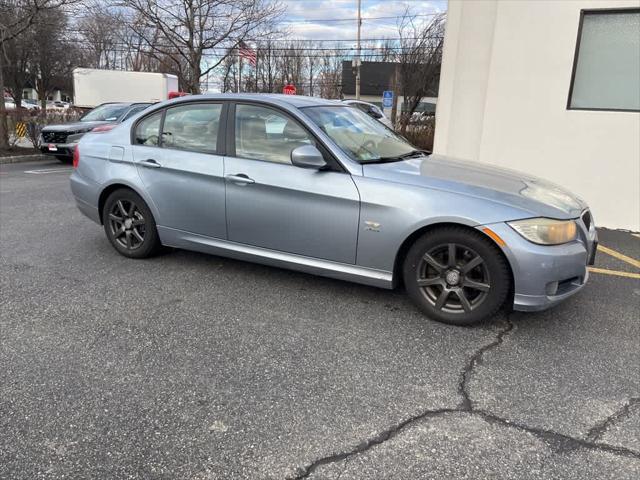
[532, 195]
[73, 127]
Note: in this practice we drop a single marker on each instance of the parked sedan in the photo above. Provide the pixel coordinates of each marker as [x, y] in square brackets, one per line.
[372, 110]
[60, 140]
[319, 186]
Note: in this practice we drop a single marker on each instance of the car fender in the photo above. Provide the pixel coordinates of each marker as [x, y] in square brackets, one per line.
[117, 182]
[391, 212]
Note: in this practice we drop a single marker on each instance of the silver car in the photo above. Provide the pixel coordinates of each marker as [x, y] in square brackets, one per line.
[371, 110]
[321, 187]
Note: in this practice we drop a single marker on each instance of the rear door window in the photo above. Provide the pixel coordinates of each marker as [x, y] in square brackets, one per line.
[148, 130]
[192, 127]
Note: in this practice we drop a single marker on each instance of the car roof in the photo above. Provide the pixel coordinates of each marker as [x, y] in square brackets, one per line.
[297, 101]
[126, 104]
[351, 101]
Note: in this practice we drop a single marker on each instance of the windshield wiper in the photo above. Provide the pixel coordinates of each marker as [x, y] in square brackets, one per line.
[398, 158]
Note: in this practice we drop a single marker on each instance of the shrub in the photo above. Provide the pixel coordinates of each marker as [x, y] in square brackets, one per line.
[35, 120]
[421, 135]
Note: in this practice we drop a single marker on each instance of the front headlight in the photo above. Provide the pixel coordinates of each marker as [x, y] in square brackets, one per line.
[546, 231]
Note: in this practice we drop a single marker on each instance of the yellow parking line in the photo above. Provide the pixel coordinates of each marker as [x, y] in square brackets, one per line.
[619, 256]
[614, 272]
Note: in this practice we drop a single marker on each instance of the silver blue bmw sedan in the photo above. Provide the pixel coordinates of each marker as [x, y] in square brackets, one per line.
[319, 186]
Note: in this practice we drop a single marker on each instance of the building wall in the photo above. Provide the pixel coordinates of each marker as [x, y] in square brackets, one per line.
[504, 85]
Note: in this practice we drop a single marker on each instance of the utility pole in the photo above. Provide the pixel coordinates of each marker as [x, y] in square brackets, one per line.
[358, 55]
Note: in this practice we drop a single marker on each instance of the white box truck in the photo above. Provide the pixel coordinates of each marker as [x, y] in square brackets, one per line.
[91, 86]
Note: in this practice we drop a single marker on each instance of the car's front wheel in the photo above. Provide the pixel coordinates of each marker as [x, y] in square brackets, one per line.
[129, 224]
[456, 275]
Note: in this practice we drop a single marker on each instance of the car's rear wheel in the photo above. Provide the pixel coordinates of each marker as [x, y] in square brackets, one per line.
[456, 275]
[129, 224]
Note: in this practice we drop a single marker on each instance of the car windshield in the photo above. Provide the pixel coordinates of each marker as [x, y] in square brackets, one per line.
[105, 113]
[361, 137]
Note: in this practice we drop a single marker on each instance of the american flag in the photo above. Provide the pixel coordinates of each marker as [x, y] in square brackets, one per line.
[245, 51]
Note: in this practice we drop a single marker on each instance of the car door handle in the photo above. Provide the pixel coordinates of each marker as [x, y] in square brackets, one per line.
[150, 162]
[240, 178]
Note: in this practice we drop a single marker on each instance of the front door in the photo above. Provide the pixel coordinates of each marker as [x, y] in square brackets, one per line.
[275, 205]
[180, 169]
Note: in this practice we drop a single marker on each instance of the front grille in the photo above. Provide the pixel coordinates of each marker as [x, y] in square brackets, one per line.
[586, 219]
[55, 137]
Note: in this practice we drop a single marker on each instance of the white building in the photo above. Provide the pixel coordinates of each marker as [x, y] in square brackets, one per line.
[551, 88]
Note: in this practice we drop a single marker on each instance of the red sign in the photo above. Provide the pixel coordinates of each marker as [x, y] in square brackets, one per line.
[289, 89]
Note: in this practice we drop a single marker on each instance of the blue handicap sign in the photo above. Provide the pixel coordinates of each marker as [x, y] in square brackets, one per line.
[387, 99]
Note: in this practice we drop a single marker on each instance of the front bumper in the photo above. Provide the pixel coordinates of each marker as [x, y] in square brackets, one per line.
[58, 149]
[546, 275]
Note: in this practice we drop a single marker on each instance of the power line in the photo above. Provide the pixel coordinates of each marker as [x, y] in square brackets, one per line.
[329, 20]
[291, 41]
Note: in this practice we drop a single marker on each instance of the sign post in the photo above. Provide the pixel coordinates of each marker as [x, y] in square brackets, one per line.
[387, 99]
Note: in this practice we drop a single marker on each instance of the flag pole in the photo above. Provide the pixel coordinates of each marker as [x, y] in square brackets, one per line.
[239, 69]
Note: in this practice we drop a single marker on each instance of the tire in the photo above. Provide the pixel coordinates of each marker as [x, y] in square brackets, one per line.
[65, 159]
[129, 225]
[461, 291]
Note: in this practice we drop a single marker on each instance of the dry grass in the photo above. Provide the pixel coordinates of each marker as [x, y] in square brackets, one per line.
[421, 135]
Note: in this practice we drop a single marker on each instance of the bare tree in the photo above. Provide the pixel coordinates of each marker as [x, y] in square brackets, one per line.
[102, 32]
[19, 55]
[419, 58]
[330, 77]
[51, 63]
[16, 17]
[229, 78]
[269, 67]
[313, 65]
[137, 56]
[185, 31]
[292, 65]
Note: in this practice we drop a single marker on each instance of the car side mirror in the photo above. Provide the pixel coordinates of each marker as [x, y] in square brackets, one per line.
[307, 156]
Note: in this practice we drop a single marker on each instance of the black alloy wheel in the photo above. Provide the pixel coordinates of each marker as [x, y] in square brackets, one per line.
[129, 224]
[453, 278]
[456, 275]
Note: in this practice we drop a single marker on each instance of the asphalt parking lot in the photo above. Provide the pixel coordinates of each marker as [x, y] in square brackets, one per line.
[200, 367]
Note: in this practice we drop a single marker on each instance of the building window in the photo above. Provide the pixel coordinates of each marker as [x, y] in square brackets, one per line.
[606, 66]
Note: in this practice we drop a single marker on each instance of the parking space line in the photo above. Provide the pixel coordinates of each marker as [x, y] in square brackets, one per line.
[619, 256]
[617, 273]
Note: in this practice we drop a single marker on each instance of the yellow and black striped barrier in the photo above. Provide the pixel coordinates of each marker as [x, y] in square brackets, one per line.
[21, 129]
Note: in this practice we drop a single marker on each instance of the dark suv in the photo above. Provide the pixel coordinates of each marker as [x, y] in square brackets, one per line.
[60, 140]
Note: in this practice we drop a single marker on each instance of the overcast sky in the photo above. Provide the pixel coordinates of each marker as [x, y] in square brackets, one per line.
[309, 18]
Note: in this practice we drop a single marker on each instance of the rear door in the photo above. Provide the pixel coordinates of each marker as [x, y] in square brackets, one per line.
[273, 204]
[177, 155]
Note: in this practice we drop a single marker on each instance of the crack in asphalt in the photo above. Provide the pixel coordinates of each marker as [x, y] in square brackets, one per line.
[555, 440]
[596, 432]
[371, 442]
[476, 359]
[559, 442]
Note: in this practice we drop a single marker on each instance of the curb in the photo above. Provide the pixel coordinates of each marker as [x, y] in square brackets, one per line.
[22, 158]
